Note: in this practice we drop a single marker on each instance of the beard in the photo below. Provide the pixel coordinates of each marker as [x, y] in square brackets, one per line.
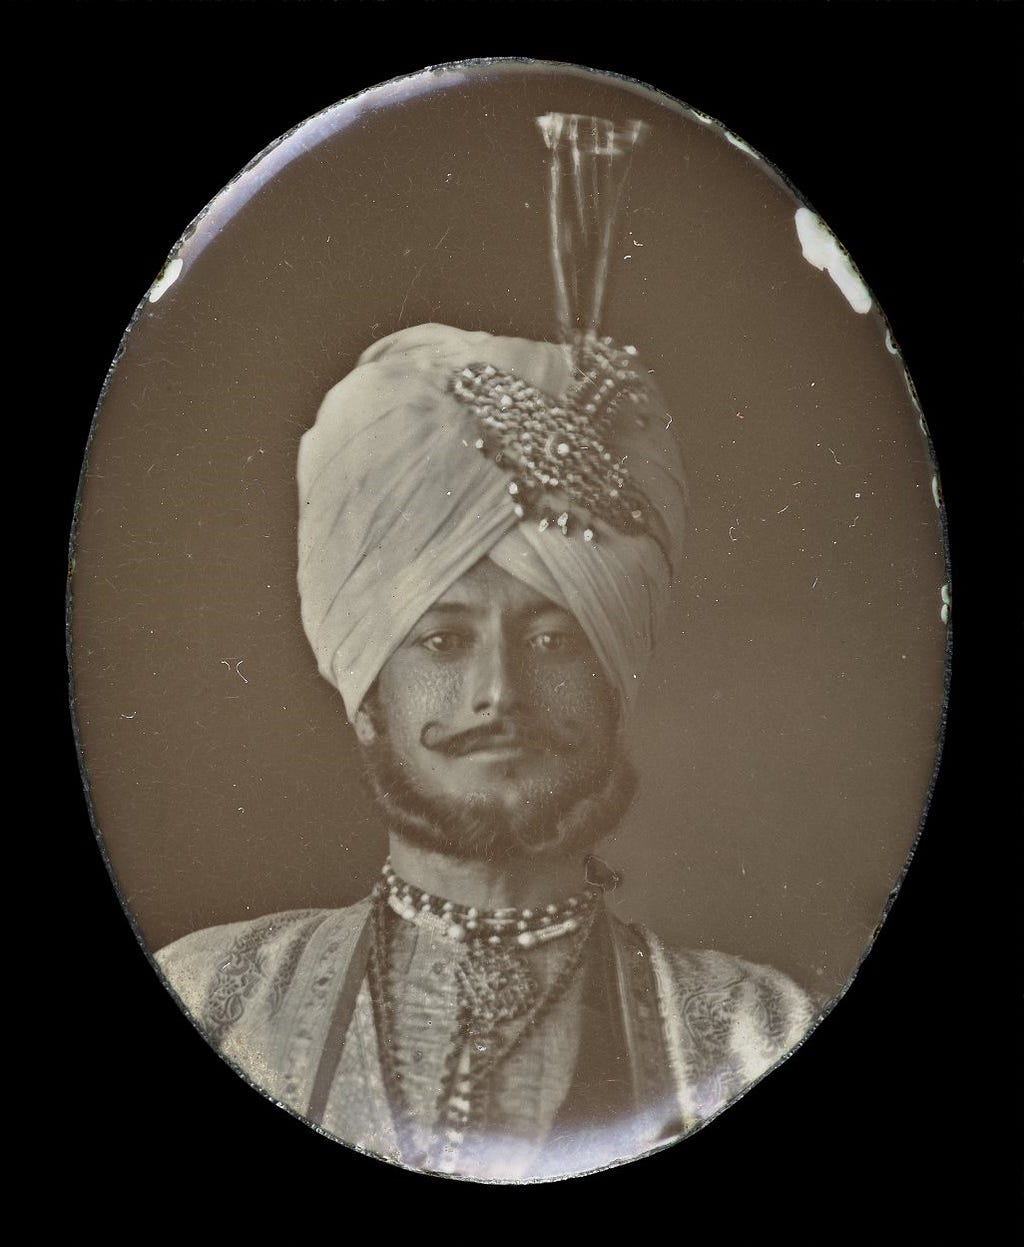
[585, 807]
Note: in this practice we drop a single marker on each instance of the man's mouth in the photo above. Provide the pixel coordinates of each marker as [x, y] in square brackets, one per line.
[491, 744]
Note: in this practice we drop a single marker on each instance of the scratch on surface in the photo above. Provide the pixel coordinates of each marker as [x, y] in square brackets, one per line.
[785, 508]
[130, 716]
[814, 583]
[234, 666]
[839, 461]
[419, 271]
[732, 529]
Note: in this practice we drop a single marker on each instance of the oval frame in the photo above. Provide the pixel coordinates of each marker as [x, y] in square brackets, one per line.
[101, 403]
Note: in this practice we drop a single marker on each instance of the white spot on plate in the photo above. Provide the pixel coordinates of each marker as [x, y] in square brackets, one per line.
[171, 273]
[947, 602]
[820, 248]
[740, 144]
[935, 491]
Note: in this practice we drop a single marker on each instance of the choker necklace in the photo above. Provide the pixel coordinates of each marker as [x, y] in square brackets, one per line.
[495, 927]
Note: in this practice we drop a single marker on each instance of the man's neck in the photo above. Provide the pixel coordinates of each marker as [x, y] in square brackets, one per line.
[521, 884]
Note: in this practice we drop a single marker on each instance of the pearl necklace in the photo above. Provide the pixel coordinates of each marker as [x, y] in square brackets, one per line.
[524, 927]
[494, 988]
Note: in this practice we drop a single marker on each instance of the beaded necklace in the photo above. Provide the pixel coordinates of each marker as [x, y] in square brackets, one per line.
[495, 986]
[462, 923]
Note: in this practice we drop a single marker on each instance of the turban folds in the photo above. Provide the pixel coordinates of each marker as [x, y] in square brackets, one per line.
[396, 503]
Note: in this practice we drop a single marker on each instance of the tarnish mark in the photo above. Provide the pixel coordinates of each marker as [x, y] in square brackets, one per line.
[820, 248]
[947, 602]
[170, 274]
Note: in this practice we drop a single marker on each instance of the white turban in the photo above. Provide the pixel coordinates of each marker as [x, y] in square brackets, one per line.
[396, 503]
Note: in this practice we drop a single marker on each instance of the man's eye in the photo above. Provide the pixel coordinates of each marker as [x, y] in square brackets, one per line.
[554, 643]
[443, 642]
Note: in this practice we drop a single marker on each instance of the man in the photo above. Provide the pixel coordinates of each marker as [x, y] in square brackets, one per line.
[488, 531]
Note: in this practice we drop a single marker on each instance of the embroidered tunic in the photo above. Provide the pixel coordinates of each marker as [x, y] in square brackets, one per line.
[643, 1045]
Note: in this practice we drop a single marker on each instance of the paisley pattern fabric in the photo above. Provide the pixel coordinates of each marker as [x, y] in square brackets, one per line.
[696, 1027]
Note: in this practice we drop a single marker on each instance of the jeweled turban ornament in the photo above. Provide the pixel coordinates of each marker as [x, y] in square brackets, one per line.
[548, 444]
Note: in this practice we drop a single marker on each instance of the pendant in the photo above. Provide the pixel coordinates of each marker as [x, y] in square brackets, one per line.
[495, 985]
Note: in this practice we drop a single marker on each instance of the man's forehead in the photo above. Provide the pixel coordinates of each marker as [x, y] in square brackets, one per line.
[489, 587]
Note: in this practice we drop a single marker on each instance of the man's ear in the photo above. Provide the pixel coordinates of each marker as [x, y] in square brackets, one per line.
[366, 733]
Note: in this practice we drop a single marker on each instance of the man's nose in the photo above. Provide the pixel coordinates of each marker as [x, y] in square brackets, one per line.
[496, 679]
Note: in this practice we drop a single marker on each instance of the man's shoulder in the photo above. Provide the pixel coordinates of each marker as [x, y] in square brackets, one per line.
[244, 955]
[707, 969]
[718, 1002]
[704, 969]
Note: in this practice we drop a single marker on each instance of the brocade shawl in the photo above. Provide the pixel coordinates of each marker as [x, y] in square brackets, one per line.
[285, 999]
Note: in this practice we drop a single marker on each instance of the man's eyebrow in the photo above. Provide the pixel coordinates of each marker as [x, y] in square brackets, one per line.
[450, 609]
[538, 610]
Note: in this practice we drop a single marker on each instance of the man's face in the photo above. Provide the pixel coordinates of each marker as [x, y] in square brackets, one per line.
[494, 708]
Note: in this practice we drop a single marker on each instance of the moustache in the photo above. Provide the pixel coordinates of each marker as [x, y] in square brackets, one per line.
[513, 734]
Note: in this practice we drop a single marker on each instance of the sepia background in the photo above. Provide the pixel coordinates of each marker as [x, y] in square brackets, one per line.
[792, 713]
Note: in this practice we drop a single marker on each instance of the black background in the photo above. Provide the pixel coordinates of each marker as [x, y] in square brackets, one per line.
[897, 122]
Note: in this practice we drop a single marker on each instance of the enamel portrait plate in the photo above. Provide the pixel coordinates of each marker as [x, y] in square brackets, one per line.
[509, 622]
